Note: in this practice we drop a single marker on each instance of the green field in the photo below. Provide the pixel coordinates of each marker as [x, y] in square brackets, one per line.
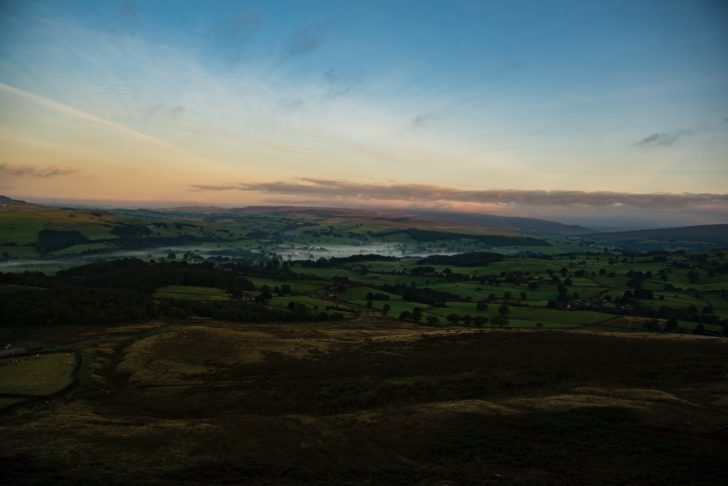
[298, 286]
[191, 293]
[36, 375]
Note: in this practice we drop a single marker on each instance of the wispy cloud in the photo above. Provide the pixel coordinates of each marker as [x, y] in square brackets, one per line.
[422, 193]
[340, 83]
[289, 104]
[665, 139]
[216, 187]
[160, 109]
[128, 9]
[89, 118]
[426, 119]
[306, 40]
[235, 34]
[34, 171]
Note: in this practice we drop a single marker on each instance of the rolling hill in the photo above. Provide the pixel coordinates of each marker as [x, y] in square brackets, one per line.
[710, 236]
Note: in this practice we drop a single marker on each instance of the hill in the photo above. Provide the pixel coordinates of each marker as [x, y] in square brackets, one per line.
[531, 226]
[398, 217]
[710, 236]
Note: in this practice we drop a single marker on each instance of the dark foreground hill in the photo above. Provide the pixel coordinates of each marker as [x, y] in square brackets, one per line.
[197, 403]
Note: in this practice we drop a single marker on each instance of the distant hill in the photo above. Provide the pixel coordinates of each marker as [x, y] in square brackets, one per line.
[413, 217]
[10, 203]
[709, 236]
[533, 226]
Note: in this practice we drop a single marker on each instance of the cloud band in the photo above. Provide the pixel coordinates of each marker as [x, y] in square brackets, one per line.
[423, 193]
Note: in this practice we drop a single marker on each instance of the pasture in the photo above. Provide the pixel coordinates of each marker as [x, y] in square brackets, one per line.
[36, 375]
[188, 292]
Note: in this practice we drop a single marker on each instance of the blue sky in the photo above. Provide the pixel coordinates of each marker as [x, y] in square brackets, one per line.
[217, 101]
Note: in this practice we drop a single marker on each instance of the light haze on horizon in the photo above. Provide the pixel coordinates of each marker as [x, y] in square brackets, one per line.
[561, 109]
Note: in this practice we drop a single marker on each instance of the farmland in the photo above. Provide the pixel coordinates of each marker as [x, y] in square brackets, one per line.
[32, 231]
[677, 292]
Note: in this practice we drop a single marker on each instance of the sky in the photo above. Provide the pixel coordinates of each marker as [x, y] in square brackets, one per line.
[579, 111]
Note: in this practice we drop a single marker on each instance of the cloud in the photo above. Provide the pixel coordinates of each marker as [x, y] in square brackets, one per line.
[235, 34]
[423, 193]
[290, 104]
[306, 40]
[128, 9]
[664, 139]
[216, 187]
[340, 83]
[244, 22]
[176, 111]
[426, 119]
[33, 171]
[160, 109]
[127, 13]
[86, 117]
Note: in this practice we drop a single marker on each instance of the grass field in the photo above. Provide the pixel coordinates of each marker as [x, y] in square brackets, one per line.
[37, 375]
[298, 286]
[191, 293]
[311, 302]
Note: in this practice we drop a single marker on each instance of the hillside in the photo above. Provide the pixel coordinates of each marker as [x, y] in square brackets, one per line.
[398, 217]
[32, 231]
[712, 236]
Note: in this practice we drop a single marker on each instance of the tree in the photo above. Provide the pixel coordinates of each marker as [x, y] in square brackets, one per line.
[386, 308]
[503, 310]
[416, 314]
[481, 306]
[453, 319]
[433, 321]
[265, 294]
[499, 320]
[404, 315]
[671, 325]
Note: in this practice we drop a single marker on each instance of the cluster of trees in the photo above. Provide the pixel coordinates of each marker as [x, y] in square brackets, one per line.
[423, 295]
[672, 325]
[235, 310]
[62, 306]
[147, 276]
[422, 236]
[52, 240]
[336, 261]
[73, 305]
[376, 296]
[472, 259]
[121, 291]
[417, 316]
